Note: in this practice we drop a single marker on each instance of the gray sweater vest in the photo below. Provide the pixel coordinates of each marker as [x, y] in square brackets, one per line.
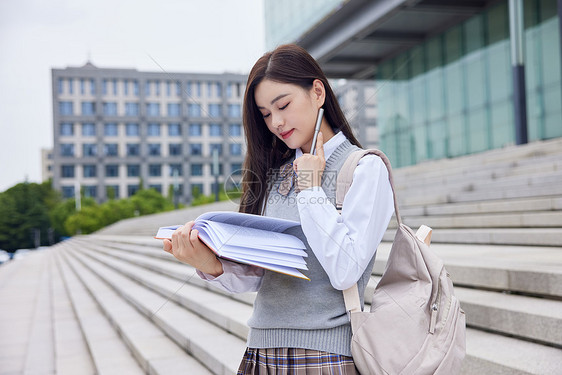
[296, 313]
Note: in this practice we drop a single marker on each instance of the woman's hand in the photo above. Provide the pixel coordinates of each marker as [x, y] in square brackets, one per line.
[309, 168]
[186, 247]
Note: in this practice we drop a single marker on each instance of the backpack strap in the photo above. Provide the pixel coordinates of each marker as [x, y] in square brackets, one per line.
[345, 177]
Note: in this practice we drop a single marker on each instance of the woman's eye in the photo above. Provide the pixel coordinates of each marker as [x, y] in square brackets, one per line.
[285, 106]
[266, 116]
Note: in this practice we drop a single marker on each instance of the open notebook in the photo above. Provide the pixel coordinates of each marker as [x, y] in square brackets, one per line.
[250, 239]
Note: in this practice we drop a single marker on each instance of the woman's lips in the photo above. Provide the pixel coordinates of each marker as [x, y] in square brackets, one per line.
[286, 135]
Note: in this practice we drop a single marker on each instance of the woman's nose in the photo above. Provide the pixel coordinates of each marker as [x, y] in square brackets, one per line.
[277, 120]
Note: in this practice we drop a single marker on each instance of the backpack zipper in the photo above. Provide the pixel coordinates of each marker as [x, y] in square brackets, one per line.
[434, 310]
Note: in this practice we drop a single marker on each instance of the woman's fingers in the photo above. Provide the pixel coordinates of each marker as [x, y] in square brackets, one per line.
[167, 244]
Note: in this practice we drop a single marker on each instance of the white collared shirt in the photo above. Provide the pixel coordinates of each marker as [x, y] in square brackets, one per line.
[343, 244]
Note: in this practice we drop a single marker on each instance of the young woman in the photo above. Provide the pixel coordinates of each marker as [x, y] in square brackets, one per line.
[299, 326]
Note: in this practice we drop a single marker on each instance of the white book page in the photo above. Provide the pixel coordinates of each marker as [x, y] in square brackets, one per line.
[271, 224]
[239, 236]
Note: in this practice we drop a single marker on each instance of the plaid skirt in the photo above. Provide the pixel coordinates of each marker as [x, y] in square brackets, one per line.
[293, 361]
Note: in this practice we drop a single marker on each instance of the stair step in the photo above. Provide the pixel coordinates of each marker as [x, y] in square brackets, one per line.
[161, 262]
[524, 269]
[219, 351]
[205, 303]
[155, 352]
[521, 221]
[494, 236]
[110, 355]
[488, 353]
[72, 353]
[526, 317]
[40, 352]
[487, 207]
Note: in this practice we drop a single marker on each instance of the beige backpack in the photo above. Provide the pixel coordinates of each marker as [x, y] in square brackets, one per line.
[415, 325]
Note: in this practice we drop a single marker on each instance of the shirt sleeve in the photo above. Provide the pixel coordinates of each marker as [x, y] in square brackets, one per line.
[345, 244]
[236, 277]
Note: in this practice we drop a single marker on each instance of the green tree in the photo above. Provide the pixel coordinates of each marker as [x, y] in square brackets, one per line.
[23, 209]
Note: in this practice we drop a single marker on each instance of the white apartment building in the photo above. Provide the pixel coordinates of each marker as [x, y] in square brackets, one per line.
[117, 128]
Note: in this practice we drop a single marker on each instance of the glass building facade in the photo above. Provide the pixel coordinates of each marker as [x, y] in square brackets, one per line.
[453, 94]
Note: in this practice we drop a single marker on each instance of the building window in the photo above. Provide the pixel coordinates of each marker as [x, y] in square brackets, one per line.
[66, 128]
[198, 89]
[104, 87]
[110, 109]
[173, 109]
[216, 146]
[82, 86]
[60, 86]
[157, 87]
[89, 170]
[133, 149]
[147, 88]
[175, 149]
[88, 129]
[196, 149]
[112, 170]
[132, 129]
[234, 110]
[110, 130]
[111, 149]
[133, 170]
[214, 110]
[67, 171]
[174, 130]
[176, 168]
[153, 109]
[197, 169]
[112, 191]
[194, 110]
[114, 86]
[219, 89]
[67, 149]
[70, 86]
[178, 88]
[126, 87]
[155, 170]
[235, 149]
[215, 130]
[90, 191]
[136, 87]
[66, 108]
[132, 189]
[92, 87]
[236, 169]
[88, 108]
[89, 149]
[68, 192]
[235, 130]
[229, 89]
[154, 149]
[156, 187]
[131, 109]
[153, 130]
[195, 130]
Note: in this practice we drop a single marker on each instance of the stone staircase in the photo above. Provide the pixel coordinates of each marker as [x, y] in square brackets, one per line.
[115, 302]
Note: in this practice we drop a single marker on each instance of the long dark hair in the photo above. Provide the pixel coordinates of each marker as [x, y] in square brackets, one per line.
[286, 64]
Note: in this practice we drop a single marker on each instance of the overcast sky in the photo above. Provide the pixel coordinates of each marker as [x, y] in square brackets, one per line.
[36, 35]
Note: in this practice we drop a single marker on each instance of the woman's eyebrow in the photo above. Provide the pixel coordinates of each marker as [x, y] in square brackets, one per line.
[276, 99]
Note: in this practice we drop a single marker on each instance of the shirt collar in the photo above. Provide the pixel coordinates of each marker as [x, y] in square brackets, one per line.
[329, 146]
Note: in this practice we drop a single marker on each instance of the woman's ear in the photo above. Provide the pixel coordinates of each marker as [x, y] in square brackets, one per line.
[318, 92]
